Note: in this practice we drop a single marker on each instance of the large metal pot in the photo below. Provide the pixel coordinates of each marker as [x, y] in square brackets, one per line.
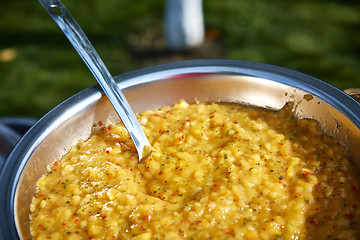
[205, 80]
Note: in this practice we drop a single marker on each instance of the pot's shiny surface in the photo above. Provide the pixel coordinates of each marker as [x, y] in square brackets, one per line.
[205, 80]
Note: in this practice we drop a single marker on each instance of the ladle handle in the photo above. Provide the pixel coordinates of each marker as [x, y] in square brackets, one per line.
[87, 52]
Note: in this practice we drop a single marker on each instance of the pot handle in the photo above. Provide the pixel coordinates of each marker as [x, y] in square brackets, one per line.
[11, 130]
[354, 93]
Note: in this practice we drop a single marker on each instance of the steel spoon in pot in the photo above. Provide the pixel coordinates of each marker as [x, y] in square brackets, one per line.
[92, 59]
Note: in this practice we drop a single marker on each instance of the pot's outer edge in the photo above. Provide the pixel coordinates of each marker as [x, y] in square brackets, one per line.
[9, 180]
[12, 169]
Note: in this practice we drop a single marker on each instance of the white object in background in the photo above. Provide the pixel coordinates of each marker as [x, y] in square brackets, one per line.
[184, 24]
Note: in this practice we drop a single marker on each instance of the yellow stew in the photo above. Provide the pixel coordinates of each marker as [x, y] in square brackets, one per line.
[216, 171]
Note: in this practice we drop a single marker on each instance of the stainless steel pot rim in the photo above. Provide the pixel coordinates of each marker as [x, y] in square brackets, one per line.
[13, 167]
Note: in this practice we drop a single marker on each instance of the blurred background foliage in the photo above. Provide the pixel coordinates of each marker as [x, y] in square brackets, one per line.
[39, 68]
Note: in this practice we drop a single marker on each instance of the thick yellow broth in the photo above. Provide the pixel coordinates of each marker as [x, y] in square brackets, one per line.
[216, 171]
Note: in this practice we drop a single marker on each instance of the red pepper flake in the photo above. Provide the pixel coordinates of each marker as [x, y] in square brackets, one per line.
[142, 227]
[76, 220]
[181, 138]
[107, 151]
[63, 224]
[306, 172]
[312, 220]
[349, 216]
[284, 185]
[160, 173]
[188, 120]
[181, 129]
[110, 128]
[149, 160]
[39, 226]
[131, 169]
[146, 217]
[198, 222]
[157, 115]
[100, 123]
[212, 115]
[55, 169]
[230, 232]
[56, 163]
[159, 197]
[41, 195]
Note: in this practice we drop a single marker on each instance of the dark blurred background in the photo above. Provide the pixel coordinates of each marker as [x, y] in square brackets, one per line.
[39, 68]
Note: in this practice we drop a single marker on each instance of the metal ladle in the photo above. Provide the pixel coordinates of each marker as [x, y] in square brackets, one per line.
[92, 59]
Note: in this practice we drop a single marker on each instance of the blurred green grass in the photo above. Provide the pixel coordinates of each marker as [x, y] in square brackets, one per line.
[319, 38]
